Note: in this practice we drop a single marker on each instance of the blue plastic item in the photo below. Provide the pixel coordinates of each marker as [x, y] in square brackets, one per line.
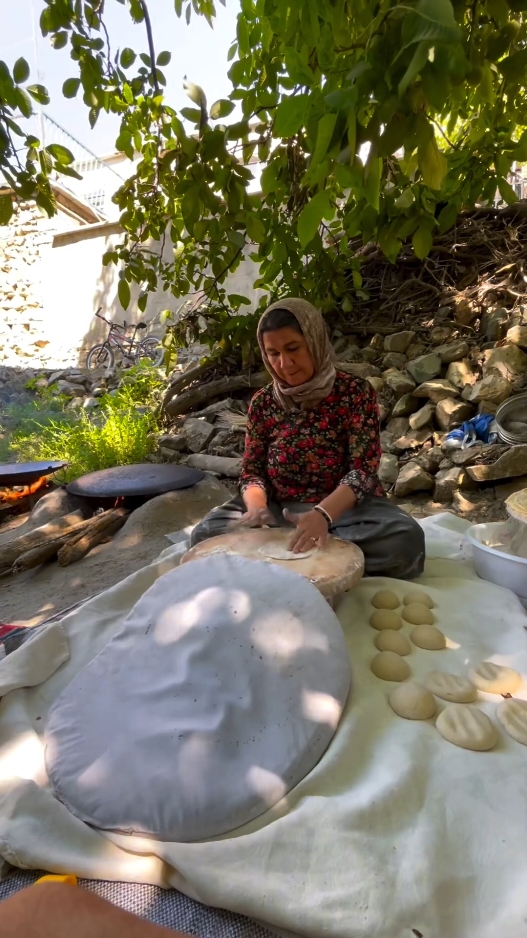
[478, 430]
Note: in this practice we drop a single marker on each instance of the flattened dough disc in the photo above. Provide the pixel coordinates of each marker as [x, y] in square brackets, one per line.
[220, 693]
[278, 552]
[334, 569]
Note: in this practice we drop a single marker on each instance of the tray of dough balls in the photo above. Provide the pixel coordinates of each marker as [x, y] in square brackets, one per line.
[466, 726]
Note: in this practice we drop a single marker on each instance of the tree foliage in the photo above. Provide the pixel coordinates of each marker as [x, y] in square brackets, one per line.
[375, 120]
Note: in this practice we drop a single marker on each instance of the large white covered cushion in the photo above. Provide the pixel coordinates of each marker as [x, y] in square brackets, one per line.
[221, 692]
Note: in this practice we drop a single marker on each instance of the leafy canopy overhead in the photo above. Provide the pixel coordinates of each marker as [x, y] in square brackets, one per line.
[374, 119]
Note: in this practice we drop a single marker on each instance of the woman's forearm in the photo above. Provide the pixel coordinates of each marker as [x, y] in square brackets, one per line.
[341, 500]
[254, 497]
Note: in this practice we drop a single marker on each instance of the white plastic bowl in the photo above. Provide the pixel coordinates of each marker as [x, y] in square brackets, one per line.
[492, 564]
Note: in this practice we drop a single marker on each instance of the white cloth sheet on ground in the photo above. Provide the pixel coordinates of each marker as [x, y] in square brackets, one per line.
[395, 832]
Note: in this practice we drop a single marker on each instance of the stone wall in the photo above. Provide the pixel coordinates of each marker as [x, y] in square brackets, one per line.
[53, 281]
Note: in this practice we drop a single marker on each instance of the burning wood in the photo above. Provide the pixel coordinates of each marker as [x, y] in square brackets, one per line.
[15, 494]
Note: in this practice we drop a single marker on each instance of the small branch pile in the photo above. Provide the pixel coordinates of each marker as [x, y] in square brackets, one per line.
[480, 262]
[69, 539]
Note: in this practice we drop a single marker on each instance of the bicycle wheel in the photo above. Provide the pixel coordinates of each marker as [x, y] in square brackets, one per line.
[100, 356]
[151, 348]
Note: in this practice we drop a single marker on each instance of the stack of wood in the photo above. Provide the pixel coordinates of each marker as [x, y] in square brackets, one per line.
[68, 539]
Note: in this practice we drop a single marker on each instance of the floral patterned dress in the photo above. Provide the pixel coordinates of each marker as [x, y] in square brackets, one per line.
[303, 455]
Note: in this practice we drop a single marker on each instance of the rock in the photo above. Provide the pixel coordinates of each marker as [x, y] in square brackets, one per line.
[221, 464]
[177, 443]
[460, 374]
[448, 481]
[369, 354]
[425, 367]
[414, 439]
[90, 403]
[494, 323]
[350, 354]
[518, 336]
[397, 426]
[465, 313]
[388, 469]
[423, 416]
[508, 361]
[461, 504]
[394, 360]
[453, 352]
[487, 407]
[359, 369]
[513, 463]
[407, 404]
[493, 388]
[436, 390]
[451, 413]
[465, 457]
[384, 412]
[445, 464]
[506, 489]
[399, 383]
[376, 383]
[398, 342]
[440, 334]
[412, 478]
[415, 350]
[199, 433]
[214, 409]
[386, 441]
[430, 460]
[377, 342]
[70, 390]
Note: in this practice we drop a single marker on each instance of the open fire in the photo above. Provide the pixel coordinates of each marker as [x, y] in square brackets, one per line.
[15, 494]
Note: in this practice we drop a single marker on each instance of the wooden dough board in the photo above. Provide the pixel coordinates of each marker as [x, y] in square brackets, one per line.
[333, 570]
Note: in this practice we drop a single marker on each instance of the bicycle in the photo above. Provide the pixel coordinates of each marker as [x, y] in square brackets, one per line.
[130, 347]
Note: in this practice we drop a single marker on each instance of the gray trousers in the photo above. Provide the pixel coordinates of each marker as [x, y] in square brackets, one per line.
[392, 542]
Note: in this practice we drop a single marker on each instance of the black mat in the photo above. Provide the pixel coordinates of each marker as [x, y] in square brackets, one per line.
[144, 479]
[169, 908]
[23, 473]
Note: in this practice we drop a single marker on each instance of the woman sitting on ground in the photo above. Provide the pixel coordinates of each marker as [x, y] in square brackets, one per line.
[312, 452]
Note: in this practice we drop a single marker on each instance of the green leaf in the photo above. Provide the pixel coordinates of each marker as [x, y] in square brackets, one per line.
[507, 192]
[317, 209]
[431, 21]
[298, 70]
[514, 66]
[191, 114]
[123, 292]
[23, 102]
[405, 200]
[6, 209]
[127, 58]
[236, 299]
[68, 171]
[59, 40]
[190, 208]
[290, 115]
[326, 126]
[268, 179]
[422, 241]
[432, 163]
[20, 71]
[71, 87]
[38, 93]
[221, 108]
[372, 181]
[447, 216]
[242, 35]
[417, 64]
[255, 229]
[163, 58]
[195, 93]
[61, 154]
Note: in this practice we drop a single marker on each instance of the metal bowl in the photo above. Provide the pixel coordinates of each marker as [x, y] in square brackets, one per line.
[511, 420]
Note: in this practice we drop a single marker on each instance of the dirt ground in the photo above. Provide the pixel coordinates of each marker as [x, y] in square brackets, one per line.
[31, 597]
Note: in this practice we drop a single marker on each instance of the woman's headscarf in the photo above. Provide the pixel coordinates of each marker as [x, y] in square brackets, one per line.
[307, 395]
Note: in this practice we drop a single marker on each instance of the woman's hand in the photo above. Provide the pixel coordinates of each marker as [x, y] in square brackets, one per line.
[255, 517]
[311, 529]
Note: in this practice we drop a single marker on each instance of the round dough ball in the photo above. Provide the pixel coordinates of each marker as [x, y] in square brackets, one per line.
[512, 715]
[385, 619]
[418, 614]
[427, 636]
[390, 667]
[467, 727]
[388, 640]
[451, 687]
[494, 678]
[412, 701]
[423, 599]
[386, 599]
